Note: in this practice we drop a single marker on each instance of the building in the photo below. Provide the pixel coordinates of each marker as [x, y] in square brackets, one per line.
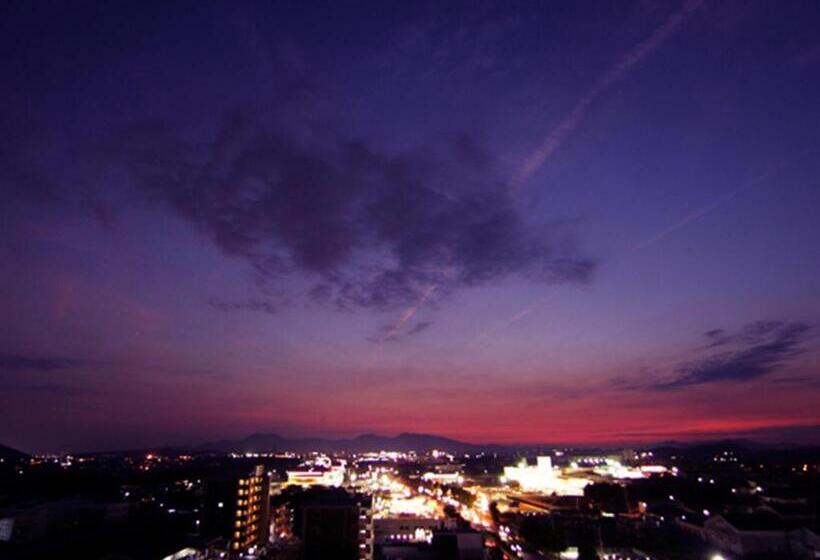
[454, 544]
[531, 478]
[459, 544]
[760, 533]
[445, 473]
[326, 523]
[543, 478]
[319, 472]
[407, 528]
[56, 519]
[252, 519]
[317, 476]
[281, 521]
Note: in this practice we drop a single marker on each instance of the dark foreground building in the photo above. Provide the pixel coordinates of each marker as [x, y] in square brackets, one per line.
[329, 523]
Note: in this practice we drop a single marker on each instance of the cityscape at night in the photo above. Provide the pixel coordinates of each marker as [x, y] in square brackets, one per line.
[394, 280]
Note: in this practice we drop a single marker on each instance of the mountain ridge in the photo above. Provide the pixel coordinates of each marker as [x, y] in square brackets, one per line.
[406, 441]
[12, 455]
[414, 441]
[411, 441]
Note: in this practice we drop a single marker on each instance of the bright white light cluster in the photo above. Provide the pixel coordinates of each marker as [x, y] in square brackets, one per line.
[319, 472]
[544, 478]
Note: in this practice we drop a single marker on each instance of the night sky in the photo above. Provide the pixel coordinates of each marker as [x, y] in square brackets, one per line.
[532, 221]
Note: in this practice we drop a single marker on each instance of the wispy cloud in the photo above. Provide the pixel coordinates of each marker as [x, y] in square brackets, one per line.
[418, 327]
[36, 374]
[58, 389]
[258, 305]
[567, 125]
[388, 333]
[758, 350]
[21, 363]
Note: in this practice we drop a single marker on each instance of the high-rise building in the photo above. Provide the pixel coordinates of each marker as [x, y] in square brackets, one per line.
[252, 519]
[326, 523]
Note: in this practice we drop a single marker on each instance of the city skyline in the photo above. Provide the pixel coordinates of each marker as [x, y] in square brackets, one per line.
[527, 223]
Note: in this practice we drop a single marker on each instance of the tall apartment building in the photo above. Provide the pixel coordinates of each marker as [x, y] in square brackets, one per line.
[252, 518]
[326, 523]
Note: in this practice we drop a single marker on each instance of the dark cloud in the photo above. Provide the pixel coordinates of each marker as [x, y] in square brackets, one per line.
[753, 333]
[756, 351]
[258, 305]
[418, 327]
[25, 374]
[371, 229]
[15, 363]
[801, 380]
[394, 333]
[716, 336]
[189, 372]
[57, 389]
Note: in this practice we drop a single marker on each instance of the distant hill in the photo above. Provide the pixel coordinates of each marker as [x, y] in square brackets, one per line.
[358, 444]
[710, 446]
[272, 442]
[786, 452]
[425, 442]
[11, 455]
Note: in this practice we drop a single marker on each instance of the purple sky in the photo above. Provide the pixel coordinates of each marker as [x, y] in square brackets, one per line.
[511, 222]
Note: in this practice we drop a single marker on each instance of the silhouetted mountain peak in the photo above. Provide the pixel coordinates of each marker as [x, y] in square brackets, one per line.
[10, 454]
[260, 442]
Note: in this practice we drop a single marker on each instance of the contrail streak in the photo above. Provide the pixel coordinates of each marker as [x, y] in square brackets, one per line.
[517, 316]
[691, 217]
[563, 129]
[721, 200]
[410, 311]
[406, 315]
[572, 119]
